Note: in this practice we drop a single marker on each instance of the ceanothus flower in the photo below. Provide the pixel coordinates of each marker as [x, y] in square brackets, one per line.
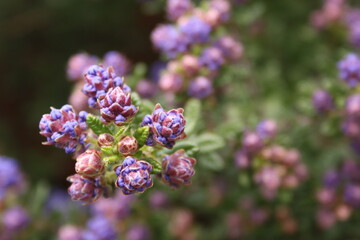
[85, 189]
[78, 64]
[99, 228]
[64, 128]
[322, 101]
[98, 81]
[118, 61]
[200, 87]
[178, 169]
[212, 58]
[165, 127]
[115, 106]
[10, 176]
[15, 218]
[169, 40]
[349, 69]
[177, 8]
[133, 175]
[195, 30]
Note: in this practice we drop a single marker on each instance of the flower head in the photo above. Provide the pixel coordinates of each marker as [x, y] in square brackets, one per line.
[200, 87]
[177, 8]
[98, 81]
[133, 175]
[89, 164]
[212, 58]
[165, 127]
[10, 176]
[115, 106]
[322, 101]
[118, 61]
[195, 30]
[349, 69]
[64, 128]
[15, 218]
[99, 227]
[85, 189]
[178, 169]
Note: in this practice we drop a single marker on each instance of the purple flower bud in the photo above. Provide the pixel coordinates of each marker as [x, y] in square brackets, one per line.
[146, 89]
[269, 178]
[326, 196]
[201, 87]
[170, 82]
[15, 218]
[178, 169]
[11, 178]
[78, 64]
[85, 189]
[105, 139]
[138, 232]
[99, 228]
[89, 164]
[267, 129]
[231, 49]
[212, 58]
[69, 232]
[177, 8]
[116, 106]
[195, 30]
[64, 128]
[165, 127]
[352, 107]
[349, 69]
[128, 146]
[169, 40]
[322, 101]
[99, 80]
[252, 142]
[118, 61]
[133, 176]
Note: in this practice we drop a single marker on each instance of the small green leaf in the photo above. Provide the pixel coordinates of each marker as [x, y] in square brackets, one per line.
[209, 142]
[212, 161]
[155, 164]
[107, 150]
[96, 125]
[192, 115]
[135, 99]
[141, 134]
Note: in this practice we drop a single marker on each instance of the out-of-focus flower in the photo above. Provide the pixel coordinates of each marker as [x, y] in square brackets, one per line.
[118, 61]
[349, 69]
[11, 178]
[267, 129]
[69, 232]
[78, 64]
[177, 8]
[252, 142]
[99, 228]
[15, 218]
[146, 88]
[138, 232]
[195, 30]
[322, 101]
[200, 87]
[170, 82]
[169, 40]
[158, 199]
[231, 49]
[212, 58]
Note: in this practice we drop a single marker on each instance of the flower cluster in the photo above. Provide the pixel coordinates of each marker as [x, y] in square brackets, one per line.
[107, 144]
[339, 194]
[64, 128]
[196, 53]
[275, 166]
[11, 178]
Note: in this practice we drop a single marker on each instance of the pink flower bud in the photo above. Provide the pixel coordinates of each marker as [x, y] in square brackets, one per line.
[89, 164]
[128, 146]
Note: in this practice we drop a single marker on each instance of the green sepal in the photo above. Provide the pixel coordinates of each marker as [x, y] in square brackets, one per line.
[141, 134]
[120, 131]
[111, 160]
[96, 125]
[192, 115]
